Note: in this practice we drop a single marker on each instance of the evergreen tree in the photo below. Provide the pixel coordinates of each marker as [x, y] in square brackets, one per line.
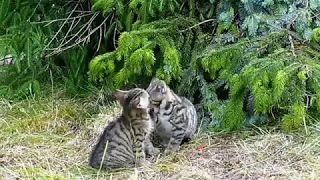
[241, 62]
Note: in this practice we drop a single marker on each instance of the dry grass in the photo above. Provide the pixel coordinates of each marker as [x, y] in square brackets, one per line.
[52, 140]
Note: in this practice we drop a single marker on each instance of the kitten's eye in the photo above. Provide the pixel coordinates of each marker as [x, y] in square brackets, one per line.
[160, 88]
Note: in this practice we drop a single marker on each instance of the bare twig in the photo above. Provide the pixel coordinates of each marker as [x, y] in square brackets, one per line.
[7, 60]
[82, 11]
[114, 36]
[306, 3]
[75, 35]
[292, 45]
[100, 38]
[270, 110]
[61, 27]
[34, 10]
[315, 15]
[112, 18]
[291, 41]
[61, 48]
[198, 24]
[63, 19]
[182, 5]
[87, 40]
[104, 28]
[67, 3]
[84, 26]
[69, 30]
[305, 125]
[52, 91]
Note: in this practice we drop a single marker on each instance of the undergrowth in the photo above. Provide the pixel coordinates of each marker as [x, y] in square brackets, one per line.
[240, 62]
[51, 138]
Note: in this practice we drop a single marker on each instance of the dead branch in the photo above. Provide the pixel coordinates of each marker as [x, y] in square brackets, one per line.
[100, 38]
[291, 41]
[61, 48]
[198, 24]
[61, 27]
[114, 36]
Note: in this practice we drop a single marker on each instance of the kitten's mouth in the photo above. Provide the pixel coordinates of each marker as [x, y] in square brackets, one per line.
[155, 102]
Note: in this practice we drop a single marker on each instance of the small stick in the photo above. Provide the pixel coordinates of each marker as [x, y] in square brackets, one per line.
[307, 3]
[100, 38]
[291, 41]
[78, 41]
[200, 23]
[114, 37]
[61, 27]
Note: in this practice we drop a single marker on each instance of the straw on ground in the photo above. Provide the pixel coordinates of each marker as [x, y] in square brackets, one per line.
[52, 139]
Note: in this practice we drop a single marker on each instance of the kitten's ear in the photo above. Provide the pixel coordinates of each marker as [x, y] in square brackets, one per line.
[154, 79]
[121, 96]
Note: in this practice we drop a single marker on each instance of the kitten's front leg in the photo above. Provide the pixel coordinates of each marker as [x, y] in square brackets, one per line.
[178, 132]
[139, 151]
[149, 148]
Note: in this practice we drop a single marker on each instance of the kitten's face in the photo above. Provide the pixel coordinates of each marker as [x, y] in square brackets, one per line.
[157, 90]
[134, 98]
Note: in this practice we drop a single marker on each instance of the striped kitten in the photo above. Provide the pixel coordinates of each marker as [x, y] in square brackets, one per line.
[124, 138]
[175, 117]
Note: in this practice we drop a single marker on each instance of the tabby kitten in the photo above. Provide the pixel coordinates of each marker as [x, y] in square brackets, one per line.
[175, 117]
[124, 138]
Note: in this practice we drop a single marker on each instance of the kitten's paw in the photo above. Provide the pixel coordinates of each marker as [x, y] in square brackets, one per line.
[146, 163]
[142, 162]
[151, 152]
[156, 151]
[171, 149]
[166, 152]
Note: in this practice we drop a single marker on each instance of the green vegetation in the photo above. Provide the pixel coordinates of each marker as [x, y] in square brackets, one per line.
[44, 38]
[244, 62]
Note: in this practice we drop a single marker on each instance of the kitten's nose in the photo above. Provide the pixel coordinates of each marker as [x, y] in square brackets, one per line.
[161, 88]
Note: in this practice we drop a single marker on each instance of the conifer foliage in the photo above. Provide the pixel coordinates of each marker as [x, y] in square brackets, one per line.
[242, 62]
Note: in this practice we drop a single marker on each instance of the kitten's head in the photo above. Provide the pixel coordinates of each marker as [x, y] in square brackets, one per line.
[136, 98]
[157, 90]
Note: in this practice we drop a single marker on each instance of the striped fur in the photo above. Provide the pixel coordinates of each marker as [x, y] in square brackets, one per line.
[175, 117]
[124, 138]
